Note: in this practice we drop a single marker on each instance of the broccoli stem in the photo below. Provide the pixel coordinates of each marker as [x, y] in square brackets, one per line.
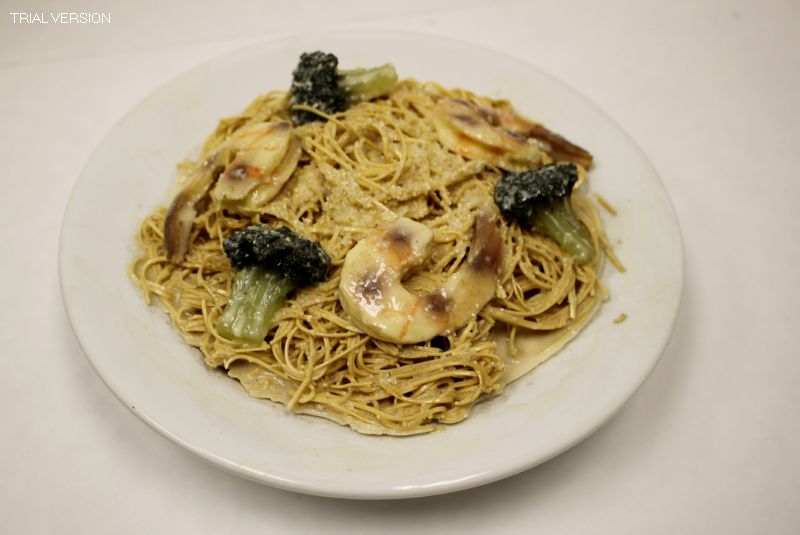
[255, 297]
[559, 221]
[359, 85]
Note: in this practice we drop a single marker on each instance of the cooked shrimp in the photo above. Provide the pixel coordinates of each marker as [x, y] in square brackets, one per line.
[264, 157]
[476, 133]
[501, 136]
[559, 148]
[372, 293]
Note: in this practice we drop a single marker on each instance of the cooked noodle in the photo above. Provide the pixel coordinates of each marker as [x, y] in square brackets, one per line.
[368, 165]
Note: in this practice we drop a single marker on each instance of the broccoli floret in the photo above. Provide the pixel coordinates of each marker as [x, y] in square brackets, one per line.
[317, 82]
[268, 263]
[541, 198]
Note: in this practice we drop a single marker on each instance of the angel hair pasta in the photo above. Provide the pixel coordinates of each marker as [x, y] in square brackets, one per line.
[429, 287]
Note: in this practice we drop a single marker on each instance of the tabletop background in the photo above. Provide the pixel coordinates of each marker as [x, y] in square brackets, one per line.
[710, 442]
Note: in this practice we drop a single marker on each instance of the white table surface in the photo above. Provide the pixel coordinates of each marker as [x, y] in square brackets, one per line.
[709, 444]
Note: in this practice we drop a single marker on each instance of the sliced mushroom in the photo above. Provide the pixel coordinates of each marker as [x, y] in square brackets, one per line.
[185, 207]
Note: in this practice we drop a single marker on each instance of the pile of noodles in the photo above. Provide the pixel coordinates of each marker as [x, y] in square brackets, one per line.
[370, 164]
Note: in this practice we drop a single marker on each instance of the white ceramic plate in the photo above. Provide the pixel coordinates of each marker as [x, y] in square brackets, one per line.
[165, 383]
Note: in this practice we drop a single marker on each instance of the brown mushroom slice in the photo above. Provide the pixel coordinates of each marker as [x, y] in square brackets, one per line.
[184, 208]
